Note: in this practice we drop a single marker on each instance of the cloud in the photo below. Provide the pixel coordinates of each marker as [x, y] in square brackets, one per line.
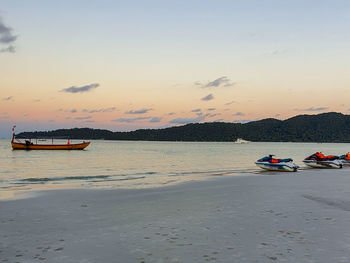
[313, 109]
[171, 113]
[196, 110]
[211, 109]
[276, 52]
[238, 114]
[130, 120]
[155, 119]
[100, 110]
[245, 121]
[10, 49]
[83, 118]
[222, 81]
[184, 120]
[73, 111]
[208, 97]
[7, 38]
[188, 120]
[141, 111]
[218, 120]
[81, 89]
[4, 115]
[229, 103]
[8, 98]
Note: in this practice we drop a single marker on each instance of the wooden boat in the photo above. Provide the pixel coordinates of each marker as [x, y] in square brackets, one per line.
[28, 145]
[32, 146]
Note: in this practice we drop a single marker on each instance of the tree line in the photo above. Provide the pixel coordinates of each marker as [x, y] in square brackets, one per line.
[326, 127]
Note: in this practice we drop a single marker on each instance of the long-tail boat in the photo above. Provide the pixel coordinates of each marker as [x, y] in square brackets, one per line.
[29, 145]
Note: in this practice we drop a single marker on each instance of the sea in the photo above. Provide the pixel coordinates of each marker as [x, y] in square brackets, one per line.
[140, 164]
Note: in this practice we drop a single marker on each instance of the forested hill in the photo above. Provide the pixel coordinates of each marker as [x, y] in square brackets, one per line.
[326, 127]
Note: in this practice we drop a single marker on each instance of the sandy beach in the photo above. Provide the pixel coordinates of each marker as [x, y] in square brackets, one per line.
[290, 217]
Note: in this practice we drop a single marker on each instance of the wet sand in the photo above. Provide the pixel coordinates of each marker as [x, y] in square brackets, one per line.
[289, 217]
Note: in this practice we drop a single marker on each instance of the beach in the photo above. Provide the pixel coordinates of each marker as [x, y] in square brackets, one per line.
[272, 217]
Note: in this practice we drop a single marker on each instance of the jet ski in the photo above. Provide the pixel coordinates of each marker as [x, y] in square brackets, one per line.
[318, 160]
[272, 164]
[345, 158]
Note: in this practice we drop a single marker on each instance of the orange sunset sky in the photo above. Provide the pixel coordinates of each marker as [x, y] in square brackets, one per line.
[124, 65]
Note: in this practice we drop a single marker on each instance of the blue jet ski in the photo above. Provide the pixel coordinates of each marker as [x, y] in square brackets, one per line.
[272, 164]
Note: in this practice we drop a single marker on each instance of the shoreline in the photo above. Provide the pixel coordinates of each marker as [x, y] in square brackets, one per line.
[294, 217]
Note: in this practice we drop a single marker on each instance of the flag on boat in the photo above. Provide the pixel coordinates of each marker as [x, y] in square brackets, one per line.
[13, 128]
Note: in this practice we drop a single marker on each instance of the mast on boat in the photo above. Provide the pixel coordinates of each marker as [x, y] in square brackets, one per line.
[13, 133]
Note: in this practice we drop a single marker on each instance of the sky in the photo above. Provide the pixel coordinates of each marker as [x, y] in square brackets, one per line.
[125, 65]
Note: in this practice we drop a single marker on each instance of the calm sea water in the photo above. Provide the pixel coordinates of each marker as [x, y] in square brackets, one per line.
[134, 164]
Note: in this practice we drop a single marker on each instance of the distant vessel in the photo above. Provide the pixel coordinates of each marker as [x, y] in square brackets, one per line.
[241, 141]
[29, 145]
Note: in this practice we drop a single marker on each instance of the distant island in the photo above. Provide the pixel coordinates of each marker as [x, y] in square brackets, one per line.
[325, 127]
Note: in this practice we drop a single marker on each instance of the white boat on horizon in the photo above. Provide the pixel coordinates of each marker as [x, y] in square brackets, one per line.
[241, 141]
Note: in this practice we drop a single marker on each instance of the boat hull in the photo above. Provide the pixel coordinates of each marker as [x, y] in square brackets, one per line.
[23, 146]
[324, 164]
[282, 167]
[345, 162]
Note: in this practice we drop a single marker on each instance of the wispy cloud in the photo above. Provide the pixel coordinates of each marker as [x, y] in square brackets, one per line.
[9, 49]
[7, 98]
[73, 111]
[313, 109]
[184, 120]
[155, 119]
[219, 82]
[111, 109]
[7, 38]
[276, 52]
[211, 109]
[130, 120]
[200, 117]
[141, 111]
[238, 113]
[171, 113]
[4, 115]
[83, 118]
[208, 97]
[81, 89]
[196, 110]
[245, 121]
[229, 103]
